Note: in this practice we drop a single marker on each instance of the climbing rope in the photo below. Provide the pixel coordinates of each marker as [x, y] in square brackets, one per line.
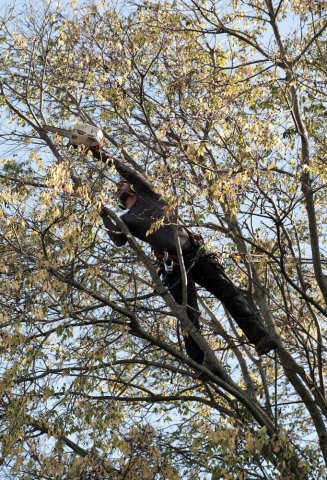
[276, 400]
[259, 258]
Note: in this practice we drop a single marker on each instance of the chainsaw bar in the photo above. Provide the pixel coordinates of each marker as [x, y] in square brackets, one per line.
[59, 131]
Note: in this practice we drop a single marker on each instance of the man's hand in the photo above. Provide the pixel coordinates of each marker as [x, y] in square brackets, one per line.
[100, 155]
[97, 148]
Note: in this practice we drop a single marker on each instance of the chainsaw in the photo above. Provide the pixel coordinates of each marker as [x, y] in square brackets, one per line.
[80, 134]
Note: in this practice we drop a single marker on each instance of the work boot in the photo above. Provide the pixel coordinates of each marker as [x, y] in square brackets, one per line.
[265, 344]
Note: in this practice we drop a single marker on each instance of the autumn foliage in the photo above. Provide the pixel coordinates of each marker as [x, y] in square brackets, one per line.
[221, 105]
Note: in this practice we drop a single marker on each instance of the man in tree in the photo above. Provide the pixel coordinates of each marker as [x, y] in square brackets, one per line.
[144, 207]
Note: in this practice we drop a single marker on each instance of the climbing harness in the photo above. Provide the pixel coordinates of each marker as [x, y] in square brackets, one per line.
[167, 261]
[196, 239]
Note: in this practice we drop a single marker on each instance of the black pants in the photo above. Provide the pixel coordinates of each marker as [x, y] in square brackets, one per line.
[209, 273]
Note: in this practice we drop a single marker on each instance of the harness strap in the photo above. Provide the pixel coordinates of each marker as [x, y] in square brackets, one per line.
[196, 240]
[163, 255]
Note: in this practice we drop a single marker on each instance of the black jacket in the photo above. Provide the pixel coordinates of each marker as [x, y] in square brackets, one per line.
[148, 208]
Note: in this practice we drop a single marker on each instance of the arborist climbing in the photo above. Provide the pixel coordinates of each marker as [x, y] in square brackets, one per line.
[144, 207]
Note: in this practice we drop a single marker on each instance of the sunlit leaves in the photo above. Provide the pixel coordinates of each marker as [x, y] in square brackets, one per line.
[201, 97]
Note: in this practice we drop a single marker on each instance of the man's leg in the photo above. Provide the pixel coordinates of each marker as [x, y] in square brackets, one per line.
[208, 273]
[174, 283]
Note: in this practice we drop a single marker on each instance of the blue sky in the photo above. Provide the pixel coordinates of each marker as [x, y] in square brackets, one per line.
[9, 3]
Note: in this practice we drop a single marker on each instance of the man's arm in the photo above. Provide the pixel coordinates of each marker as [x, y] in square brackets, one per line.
[116, 236]
[138, 182]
